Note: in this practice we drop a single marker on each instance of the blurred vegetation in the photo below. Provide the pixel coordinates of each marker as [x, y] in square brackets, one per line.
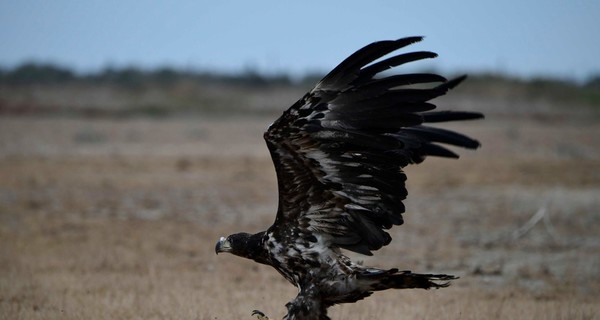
[34, 88]
[537, 88]
[132, 77]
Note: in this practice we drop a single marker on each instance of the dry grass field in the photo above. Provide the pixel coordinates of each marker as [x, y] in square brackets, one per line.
[117, 219]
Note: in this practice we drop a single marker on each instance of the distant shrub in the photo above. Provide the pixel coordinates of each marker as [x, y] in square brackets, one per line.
[593, 82]
[129, 77]
[33, 73]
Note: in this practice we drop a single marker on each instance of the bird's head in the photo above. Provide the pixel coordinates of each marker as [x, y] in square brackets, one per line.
[235, 244]
[245, 245]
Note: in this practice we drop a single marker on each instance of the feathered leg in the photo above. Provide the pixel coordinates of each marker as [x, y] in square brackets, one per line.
[307, 305]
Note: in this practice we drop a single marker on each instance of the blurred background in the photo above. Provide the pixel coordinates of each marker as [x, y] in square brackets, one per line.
[131, 139]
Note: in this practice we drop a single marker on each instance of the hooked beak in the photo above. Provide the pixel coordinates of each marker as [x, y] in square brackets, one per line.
[223, 245]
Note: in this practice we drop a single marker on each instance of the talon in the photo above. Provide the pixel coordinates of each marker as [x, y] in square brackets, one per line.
[259, 315]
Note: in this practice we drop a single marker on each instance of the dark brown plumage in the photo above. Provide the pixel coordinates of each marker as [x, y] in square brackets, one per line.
[339, 153]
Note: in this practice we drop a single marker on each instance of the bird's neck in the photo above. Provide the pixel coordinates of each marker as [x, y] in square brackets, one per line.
[255, 248]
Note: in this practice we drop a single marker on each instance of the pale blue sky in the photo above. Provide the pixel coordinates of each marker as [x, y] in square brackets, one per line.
[523, 38]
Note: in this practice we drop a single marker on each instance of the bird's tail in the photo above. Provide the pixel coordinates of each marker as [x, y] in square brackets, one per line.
[394, 279]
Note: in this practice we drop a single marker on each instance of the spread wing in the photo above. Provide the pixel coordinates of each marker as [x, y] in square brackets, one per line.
[339, 151]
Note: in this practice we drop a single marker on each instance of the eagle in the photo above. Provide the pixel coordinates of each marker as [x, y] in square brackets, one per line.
[338, 153]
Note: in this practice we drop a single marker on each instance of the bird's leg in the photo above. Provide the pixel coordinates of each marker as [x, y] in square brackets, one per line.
[259, 315]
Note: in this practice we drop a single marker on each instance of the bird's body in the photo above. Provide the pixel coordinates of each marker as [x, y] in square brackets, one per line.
[338, 153]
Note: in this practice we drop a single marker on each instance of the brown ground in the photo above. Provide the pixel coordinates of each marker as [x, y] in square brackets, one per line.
[117, 219]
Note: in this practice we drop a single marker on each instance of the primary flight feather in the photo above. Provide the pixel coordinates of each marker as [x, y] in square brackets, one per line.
[339, 153]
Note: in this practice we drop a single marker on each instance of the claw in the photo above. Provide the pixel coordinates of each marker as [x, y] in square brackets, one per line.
[259, 315]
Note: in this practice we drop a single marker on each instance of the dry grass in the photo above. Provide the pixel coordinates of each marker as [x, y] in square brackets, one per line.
[117, 219]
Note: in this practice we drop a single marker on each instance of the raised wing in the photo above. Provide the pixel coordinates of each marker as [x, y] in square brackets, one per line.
[339, 151]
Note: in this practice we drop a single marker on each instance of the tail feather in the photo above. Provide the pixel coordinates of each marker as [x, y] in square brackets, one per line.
[394, 279]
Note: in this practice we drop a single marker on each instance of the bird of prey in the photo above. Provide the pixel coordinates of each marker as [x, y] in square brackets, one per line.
[339, 153]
